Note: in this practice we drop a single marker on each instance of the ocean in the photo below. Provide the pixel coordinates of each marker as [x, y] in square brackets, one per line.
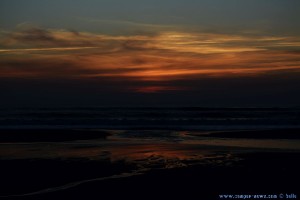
[180, 118]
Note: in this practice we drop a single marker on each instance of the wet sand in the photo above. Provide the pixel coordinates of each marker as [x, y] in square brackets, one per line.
[60, 135]
[133, 168]
[258, 134]
[255, 173]
[49, 135]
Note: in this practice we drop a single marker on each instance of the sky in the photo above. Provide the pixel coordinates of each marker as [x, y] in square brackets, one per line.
[236, 53]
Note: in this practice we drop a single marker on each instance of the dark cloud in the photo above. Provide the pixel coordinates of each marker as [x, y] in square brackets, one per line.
[34, 35]
[238, 91]
[38, 37]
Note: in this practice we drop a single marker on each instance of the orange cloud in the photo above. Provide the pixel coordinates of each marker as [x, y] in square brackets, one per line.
[164, 56]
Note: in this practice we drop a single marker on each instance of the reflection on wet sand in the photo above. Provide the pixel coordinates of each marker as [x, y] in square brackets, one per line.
[124, 154]
[164, 148]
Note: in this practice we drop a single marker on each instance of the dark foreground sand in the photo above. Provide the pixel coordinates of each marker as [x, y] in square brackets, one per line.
[249, 172]
[256, 173]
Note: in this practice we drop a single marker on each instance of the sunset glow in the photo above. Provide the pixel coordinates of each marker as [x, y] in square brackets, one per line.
[110, 53]
[165, 56]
